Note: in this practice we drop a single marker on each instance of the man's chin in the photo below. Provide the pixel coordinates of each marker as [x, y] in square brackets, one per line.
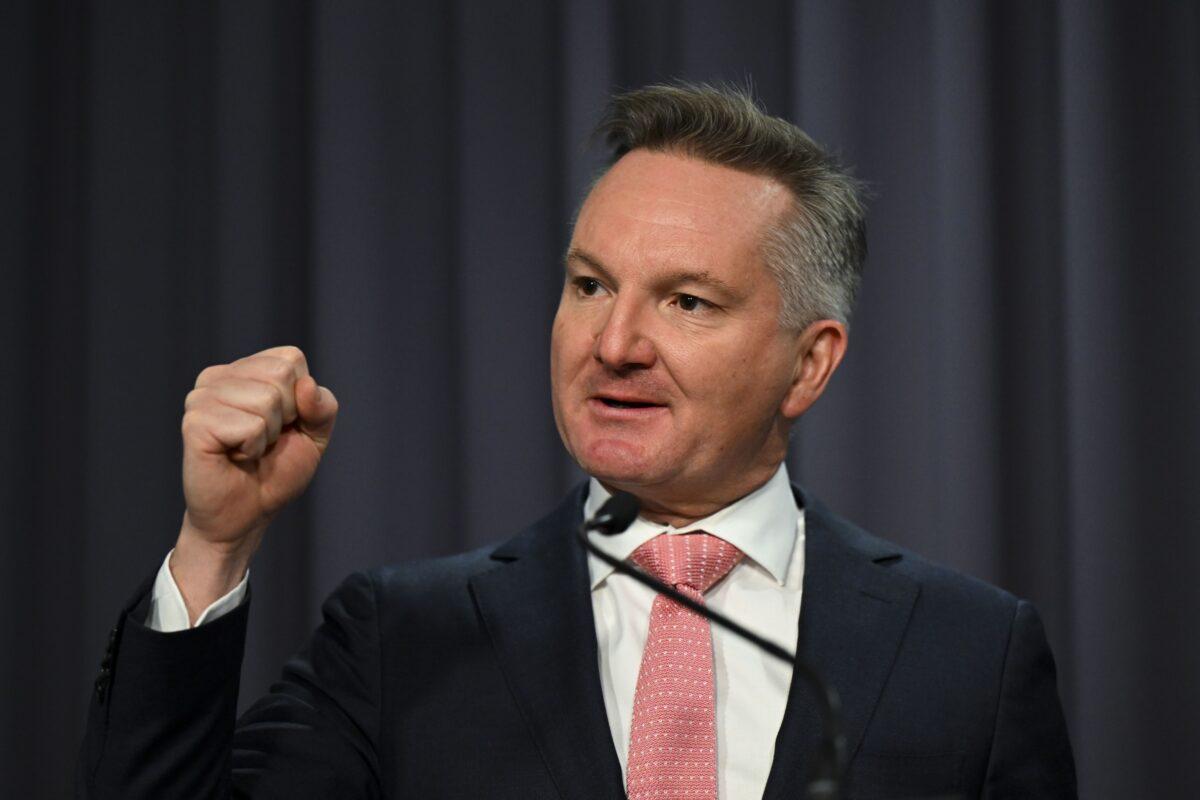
[621, 464]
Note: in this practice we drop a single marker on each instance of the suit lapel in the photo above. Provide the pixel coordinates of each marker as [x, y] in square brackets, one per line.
[853, 615]
[537, 610]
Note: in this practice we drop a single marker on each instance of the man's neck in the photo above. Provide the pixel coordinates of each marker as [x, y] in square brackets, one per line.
[681, 509]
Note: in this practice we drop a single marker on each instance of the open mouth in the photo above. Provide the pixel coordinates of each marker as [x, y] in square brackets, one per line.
[626, 403]
[611, 403]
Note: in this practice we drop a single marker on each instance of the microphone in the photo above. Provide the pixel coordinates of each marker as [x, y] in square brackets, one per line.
[617, 514]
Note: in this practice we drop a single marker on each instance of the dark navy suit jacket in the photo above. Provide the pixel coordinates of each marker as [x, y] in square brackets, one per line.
[476, 677]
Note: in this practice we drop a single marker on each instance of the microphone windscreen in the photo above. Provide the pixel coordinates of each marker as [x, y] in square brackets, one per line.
[617, 514]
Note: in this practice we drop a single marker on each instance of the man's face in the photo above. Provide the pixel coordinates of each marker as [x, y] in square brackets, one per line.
[668, 365]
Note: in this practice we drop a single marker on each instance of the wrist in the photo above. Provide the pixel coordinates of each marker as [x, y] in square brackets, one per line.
[205, 571]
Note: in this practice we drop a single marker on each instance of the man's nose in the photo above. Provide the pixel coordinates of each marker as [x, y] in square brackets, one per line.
[624, 342]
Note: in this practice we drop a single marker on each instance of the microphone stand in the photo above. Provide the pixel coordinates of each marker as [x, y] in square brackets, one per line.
[617, 514]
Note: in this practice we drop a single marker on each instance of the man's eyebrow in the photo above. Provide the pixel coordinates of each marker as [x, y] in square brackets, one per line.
[700, 277]
[575, 254]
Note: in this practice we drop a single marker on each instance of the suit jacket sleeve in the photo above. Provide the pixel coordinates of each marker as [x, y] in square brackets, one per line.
[163, 724]
[1031, 752]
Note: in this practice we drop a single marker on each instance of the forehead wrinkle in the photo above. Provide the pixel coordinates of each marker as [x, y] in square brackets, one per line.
[685, 224]
[752, 188]
[749, 213]
[678, 231]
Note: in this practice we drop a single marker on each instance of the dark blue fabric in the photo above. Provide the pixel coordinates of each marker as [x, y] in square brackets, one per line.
[476, 676]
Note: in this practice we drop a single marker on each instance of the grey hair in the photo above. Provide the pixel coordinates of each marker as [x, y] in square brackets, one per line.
[816, 249]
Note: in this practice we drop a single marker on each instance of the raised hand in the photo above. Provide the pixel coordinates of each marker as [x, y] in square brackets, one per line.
[254, 432]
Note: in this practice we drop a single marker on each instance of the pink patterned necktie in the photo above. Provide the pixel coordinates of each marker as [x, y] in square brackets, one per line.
[673, 738]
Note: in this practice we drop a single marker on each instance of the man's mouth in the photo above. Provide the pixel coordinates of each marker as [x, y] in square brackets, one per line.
[628, 403]
[614, 403]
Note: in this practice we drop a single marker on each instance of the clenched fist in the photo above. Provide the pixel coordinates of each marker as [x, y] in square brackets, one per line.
[253, 434]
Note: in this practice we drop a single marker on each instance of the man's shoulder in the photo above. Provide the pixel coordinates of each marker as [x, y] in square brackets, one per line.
[442, 578]
[940, 588]
[428, 574]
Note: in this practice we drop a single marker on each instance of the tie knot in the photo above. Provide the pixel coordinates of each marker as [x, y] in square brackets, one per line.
[697, 559]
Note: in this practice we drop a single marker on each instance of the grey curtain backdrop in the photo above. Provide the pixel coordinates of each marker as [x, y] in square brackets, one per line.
[389, 186]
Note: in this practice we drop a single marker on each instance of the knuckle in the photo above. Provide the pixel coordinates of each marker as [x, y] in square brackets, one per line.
[194, 398]
[281, 370]
[208, 375]
[292, 354]
[273, 397]
[190, 423]
[259, 428]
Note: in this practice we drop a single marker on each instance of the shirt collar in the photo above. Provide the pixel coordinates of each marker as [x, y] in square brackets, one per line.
[762, 525]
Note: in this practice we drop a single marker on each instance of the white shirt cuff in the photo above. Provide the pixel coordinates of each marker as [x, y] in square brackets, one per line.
[168, 612]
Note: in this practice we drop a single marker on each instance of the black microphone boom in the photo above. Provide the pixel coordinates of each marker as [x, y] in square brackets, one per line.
[617, 514]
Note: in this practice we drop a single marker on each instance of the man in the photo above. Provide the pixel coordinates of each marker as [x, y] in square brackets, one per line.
[708, 287]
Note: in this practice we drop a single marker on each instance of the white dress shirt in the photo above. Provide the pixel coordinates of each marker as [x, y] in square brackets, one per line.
[762, 592]
[168, 612]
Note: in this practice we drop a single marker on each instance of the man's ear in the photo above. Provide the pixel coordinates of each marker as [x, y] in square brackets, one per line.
[821, 348]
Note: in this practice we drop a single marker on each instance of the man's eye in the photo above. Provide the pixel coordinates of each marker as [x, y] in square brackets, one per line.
[689, 302]
[589, 287]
